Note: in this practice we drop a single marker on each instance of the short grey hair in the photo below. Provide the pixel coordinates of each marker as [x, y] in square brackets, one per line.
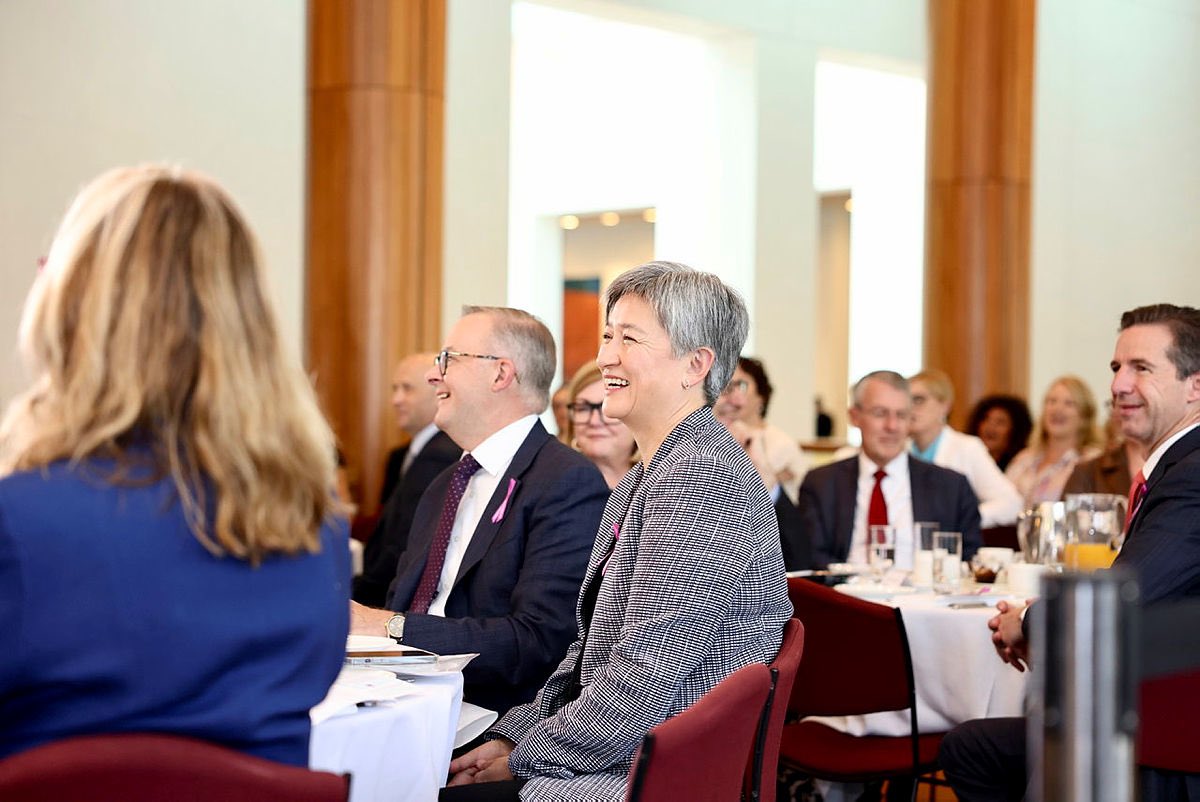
[526, 341]
[696, 309]
[889, 377]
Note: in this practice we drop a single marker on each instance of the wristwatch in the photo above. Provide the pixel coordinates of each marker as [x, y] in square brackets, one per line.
[395, 627]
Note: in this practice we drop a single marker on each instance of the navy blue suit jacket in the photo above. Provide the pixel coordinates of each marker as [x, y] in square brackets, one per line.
[1163, 544]
[390, 537]
[829, 495]
[513, 600]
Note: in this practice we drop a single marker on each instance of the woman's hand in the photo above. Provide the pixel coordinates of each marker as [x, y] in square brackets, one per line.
[485, 763]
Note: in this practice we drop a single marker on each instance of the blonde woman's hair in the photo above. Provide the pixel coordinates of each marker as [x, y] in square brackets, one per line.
[587, 375]
[151, 343]
[1088, 433]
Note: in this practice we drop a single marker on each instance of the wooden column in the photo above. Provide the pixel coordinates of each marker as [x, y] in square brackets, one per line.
[373, 289]
[977, 195]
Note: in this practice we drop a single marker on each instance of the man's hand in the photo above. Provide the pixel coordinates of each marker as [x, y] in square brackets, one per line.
[1007, 634]
[484, 764]
[368, 620]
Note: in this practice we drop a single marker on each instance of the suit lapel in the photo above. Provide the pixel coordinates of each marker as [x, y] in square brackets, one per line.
[846, 496]
[1186, 445]
[412, 560]
[507, 492]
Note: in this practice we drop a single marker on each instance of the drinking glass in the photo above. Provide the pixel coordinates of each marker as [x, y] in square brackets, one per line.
[1094, 524]
[922, 570]
[1042, 533]
[881, 550]
[947, 561]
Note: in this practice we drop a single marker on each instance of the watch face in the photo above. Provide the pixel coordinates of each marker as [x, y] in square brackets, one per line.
[395, 627]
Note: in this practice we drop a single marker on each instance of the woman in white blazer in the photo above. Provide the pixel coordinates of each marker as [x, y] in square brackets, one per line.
[934, 441]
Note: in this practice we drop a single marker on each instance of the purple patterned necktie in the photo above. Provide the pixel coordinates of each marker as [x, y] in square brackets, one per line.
[427, 587]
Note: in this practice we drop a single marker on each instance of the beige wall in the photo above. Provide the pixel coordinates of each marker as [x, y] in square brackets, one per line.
[216, 86]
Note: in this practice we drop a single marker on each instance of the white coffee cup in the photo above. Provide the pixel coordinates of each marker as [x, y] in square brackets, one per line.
[1025, 579]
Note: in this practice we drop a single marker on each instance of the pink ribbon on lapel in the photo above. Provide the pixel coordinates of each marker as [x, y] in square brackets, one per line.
[498, 516]
[616, 539]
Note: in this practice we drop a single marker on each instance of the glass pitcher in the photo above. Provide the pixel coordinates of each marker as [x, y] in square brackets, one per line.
[1094, 530]
[1041, 531]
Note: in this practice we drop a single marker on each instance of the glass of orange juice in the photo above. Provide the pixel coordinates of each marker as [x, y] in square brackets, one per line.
[1094, 524]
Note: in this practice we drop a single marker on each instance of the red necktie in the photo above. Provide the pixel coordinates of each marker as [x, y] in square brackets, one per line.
[1137, 492]
[877, 512]
[427, 587]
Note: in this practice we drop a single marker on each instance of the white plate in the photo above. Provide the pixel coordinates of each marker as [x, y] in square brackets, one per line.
[369, 643]
[869, 590]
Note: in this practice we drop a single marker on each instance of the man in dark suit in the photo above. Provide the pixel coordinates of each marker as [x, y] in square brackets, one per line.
[428, 453]
[499, 544]
[1156, 396]
[881, 484]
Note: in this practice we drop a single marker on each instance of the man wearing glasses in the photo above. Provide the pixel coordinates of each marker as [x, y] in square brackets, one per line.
[881, 485]
[500, 540]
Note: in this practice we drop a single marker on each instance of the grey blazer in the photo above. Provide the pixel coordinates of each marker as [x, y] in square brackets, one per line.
[694, 590]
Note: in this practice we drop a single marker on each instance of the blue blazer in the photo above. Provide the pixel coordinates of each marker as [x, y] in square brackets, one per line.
[513, 600]
[829, 495]
[114, 618]
[1163, 543]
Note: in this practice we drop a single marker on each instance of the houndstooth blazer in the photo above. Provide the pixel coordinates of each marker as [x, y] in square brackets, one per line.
[694, 590]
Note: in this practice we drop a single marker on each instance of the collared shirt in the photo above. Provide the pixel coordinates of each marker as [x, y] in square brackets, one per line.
[494, 455]
[1153, 460]
[897, 494]
[928, 454]
[414, 447]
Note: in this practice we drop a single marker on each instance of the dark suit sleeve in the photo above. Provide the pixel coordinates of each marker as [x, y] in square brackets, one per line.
[559, 518]
[1164, 544]
[967, 515]
[816, 521]
[797, 550]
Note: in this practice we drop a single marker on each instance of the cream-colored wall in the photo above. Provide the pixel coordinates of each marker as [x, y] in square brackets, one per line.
[216, 86]
[1116, 181]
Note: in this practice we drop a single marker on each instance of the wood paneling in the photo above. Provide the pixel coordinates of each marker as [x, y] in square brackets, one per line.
[977, 195]
[373, 283]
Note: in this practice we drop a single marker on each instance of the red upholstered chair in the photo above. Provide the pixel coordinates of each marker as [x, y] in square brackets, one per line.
[700, 754]
[157, 768]
[764, 762]
[856, 661]
[1169, 723]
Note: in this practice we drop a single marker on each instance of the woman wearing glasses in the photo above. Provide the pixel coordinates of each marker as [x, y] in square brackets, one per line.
[606, 441]
[685, 584]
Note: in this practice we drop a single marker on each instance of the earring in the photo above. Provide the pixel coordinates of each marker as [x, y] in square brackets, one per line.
[685, 385]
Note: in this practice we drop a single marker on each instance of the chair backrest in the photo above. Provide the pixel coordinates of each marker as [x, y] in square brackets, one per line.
[157, 768]
[764, 762]
[857, 659]
[1004, 537]
[700, 754]
[1169, 723]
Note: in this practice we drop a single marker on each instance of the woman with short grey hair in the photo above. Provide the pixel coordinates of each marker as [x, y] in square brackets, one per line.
[685, 584]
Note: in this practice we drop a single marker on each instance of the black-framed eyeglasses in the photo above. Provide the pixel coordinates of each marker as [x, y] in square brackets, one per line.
[581, 411]
[736, 386]
[442, 360]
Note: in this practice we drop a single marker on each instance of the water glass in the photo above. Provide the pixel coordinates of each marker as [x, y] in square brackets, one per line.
[947, 561]
[881, 550]
[922, 564]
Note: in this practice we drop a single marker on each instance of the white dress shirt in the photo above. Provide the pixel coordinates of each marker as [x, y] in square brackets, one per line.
[494, 455]
[414, 447]
[1153, 460]
[897, 494]
[999, 500]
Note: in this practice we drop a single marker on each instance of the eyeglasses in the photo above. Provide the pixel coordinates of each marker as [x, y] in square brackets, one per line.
[581, 412]
[736, 386]
[882, 413]
[442, 360]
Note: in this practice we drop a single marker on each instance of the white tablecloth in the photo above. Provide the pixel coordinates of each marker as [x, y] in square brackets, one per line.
[957, 672]
[399, 750]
